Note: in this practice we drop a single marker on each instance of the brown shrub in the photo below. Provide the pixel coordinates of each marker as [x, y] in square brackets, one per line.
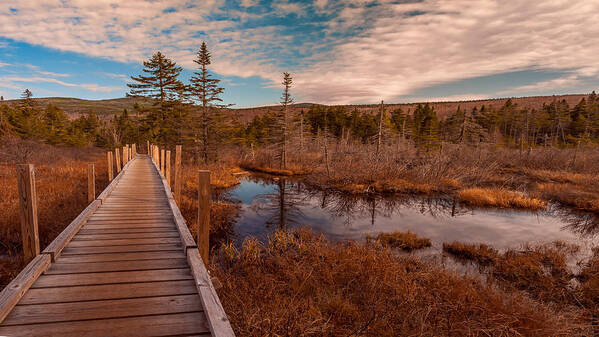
[61, 184]
[300, 284]
[487, 197]
[481, 253]
[407, 241]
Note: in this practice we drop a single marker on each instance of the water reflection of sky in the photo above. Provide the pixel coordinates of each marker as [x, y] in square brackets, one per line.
[340, 217]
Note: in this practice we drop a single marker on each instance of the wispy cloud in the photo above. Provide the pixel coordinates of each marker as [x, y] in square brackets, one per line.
[339, 51]
[87, 86]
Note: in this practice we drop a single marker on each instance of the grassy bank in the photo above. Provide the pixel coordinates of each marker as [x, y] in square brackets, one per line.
[61, 183]
[484, 176]
[300, 284]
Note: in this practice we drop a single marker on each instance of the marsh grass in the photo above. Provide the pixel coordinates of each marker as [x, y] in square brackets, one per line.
[61, 184]
[406, 241]
[500, 198]
[300, 284]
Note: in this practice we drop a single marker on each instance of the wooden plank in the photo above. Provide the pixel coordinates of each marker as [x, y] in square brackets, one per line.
[120, 249]
[11, 294]
[178, 175]
[28, 211]
[215, 314]
[130, 225]
[103, 309]
[167, 171]
[109, 166]
[158, 325]
[203, 229]
[117, 158]
[169, 234]
[56, 246]
[46, 281]
[132, 256]
[91, 183]
[60, 268]
[117, 230]
[108, 292]
[162, 161]
[125, 242]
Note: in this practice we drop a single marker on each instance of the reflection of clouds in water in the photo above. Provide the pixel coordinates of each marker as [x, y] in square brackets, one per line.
[440, 219]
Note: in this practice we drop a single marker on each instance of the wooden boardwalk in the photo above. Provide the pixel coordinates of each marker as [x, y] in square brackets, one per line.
[127, 266]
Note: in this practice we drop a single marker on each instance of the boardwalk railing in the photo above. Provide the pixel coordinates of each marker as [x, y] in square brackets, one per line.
[91, 266]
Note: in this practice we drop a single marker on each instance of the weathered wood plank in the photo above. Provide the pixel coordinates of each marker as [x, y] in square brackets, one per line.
[103, 309]
[131, 256]
[56, 246]
[120, 249]
[11, 294]
[28, 211]
[60, 268]
[108, 292]
[46, 281]
[170, 234]
[215, 314]
[161, 325]
[123, 242]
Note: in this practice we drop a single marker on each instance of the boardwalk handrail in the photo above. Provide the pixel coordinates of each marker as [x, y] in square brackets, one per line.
[215, 314]
[12, 293]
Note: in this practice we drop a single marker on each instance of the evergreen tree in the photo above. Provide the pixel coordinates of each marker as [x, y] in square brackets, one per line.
[161, 83]
[207, 91]
[286, 100]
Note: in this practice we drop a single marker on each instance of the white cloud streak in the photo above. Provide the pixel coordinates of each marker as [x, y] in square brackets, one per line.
[395, 50]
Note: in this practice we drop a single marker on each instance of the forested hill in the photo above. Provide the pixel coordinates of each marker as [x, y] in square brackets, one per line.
[74, 107]
[443, 109]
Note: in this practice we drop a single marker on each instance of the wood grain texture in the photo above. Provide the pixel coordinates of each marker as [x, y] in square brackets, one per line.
[203, 229]
[13, 292]
[167, 170]
[109, 166]
[178, 175]
[215, 314]
[28, 211]
[91, 183]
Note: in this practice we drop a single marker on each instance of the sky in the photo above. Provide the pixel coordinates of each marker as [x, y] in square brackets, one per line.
[338, 52]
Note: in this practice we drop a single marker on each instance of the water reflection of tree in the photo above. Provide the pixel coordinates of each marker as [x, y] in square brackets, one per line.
[353, 207]
[585, 224]
[282, 207]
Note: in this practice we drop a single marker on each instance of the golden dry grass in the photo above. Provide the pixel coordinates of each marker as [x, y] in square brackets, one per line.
[61, 184]
[407, 241]
[497, 197]
[481, 253]
[579, 197]
[300, 284]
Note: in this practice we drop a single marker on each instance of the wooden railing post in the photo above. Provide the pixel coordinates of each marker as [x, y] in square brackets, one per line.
[204, 214]
[133, 150]
[168, 168]
[28, 211]
[109, 162]
[162, 161]
[125, 155]
[117, 160]
[91, 183]
[177, 190]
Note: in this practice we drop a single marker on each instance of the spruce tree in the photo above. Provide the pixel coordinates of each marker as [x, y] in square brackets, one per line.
[161, 83]
[205, 88]
[286, 100]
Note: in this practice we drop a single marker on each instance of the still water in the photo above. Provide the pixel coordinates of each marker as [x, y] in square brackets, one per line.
[269, 204]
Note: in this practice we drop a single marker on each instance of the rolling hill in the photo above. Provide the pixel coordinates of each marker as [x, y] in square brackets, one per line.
[75, 106]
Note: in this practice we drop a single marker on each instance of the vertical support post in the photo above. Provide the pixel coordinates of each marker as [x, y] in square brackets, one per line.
[117, 160]
[91, 183]
[133, 150]
[28, 211]
[125, 155]
[167, 170]
[162, 161]
[177, 190]
[204, 214]
[110, 171]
